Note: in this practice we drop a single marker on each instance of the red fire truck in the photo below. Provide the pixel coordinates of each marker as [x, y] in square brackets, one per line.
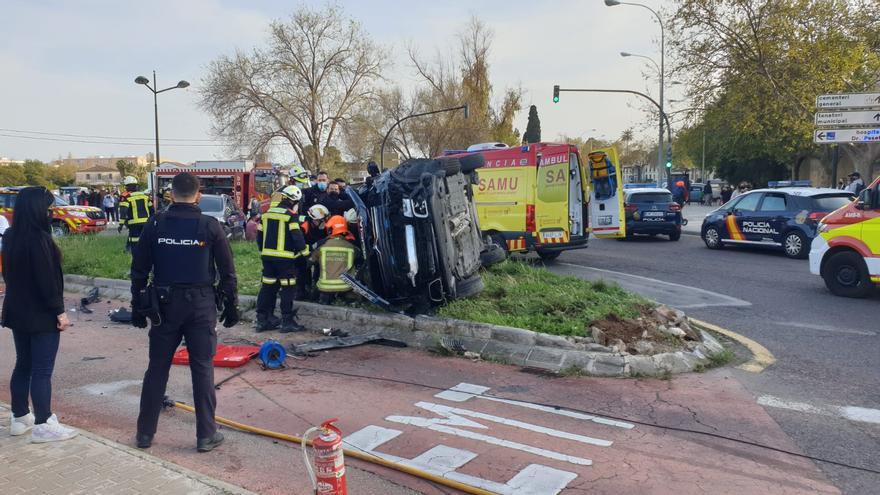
[239, 179]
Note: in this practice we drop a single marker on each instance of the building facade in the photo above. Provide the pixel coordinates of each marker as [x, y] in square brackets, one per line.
[101, 161]
[98, 176]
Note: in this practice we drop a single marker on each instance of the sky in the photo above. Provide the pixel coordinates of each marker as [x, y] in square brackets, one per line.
[69, 66]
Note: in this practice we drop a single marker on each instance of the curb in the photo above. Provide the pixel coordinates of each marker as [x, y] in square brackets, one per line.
[509, 345]
[761, 356]
[221, 486]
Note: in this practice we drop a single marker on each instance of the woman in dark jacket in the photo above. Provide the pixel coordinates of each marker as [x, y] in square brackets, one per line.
[34, 310]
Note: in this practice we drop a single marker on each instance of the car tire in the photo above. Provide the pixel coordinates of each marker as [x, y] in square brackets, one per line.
[469, 287]
[551, 256]
[674, 236]
[60, 229]
[712, 238]
[470, 163]
[846, 275]
[450, 166]
[795, 245]
[493, 254]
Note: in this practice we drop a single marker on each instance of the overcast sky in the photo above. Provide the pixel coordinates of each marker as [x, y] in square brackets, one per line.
[68, 66]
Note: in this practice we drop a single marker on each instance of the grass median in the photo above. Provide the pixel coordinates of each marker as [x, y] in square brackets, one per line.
[517, 294]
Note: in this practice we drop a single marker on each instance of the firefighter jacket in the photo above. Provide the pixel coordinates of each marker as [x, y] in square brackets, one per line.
[135, 208]
[333, 258]
[183, 248]
[313, 235]
[279, 236]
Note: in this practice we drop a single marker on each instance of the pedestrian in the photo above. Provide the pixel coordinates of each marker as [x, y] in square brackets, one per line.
[726, 194]
[333, 257]
[254, 207]
[312, 195]
[707, 194]
[297, 176]
[841, 184]
[185, 251]
[82, 199]
[741, 189]
[116, 199]
[250, 230]
[334, 200]
[109, 207]
[856, 184]
[343, 184]
[34, 310]
[134, 211]
[94, 198]
[281, 244]
[4, 224]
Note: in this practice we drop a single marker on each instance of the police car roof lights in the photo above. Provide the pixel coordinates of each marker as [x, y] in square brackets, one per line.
[789, 183]
[487, 146]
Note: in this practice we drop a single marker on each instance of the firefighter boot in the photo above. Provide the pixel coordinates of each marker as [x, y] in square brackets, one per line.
[267, 322]
[289, 324]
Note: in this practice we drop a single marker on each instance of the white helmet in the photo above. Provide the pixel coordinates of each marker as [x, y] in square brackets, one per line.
[129, 180]
[292, 193]
[351, 216]
[318, 212]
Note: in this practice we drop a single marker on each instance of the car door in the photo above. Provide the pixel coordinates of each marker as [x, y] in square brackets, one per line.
[772, 216]
[741, 217]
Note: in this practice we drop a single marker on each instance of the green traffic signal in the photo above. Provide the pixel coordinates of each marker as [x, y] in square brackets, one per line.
[669, 164]
[556, 94]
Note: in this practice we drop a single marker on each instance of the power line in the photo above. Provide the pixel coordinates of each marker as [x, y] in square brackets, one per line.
[44, 133]
[147, 142]
[103, 142]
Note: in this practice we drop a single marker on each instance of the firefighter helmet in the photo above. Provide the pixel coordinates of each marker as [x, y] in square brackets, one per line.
[351, 216]
[298, 174]
[129, 180]
[318, 212]
[292, 193]
[336, 225]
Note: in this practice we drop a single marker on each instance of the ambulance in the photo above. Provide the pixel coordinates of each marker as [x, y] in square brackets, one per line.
[846, 253]
[537, 197]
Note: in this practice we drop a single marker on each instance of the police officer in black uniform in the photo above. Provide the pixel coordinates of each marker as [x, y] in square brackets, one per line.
[281, 246]
[185, 251]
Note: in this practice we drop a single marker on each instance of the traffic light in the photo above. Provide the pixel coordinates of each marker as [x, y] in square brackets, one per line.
[669, 158]
[556, 94]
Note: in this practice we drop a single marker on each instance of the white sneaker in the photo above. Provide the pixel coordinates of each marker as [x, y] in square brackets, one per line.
[20, 426]
[52, 431]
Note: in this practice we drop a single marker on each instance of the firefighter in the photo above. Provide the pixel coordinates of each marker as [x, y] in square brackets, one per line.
[135, 208]
[297, 176]
[281, 244]
[314, 231]
[186, 251]
[335, 255]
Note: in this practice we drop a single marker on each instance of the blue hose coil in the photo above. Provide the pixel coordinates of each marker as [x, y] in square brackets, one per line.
[272, 354]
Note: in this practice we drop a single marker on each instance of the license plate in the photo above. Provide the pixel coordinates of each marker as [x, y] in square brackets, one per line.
[653, 214]
[100, 223]
[652, 219]
[605, 220]
[553, 235]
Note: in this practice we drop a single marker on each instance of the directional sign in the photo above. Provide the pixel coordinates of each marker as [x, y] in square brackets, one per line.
[827, 136]
[851, 100]
[869, 117]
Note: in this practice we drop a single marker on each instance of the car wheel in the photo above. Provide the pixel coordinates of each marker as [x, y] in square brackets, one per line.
[470, 163]
[846, 275]
[551, 256]
[674, 236]
[712, 238]
[493, 254]
[469, 287]
[450, 166]
[60, 229]
[795, 245]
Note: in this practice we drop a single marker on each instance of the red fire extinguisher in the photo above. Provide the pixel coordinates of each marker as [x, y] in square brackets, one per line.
[328, 475]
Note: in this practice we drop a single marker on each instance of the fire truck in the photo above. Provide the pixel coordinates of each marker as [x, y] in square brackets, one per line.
[238, 179]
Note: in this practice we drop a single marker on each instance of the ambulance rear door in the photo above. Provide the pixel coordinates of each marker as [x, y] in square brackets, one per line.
[552, 198]
[606, 196]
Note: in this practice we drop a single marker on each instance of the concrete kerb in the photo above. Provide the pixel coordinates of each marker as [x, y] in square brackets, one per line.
[509, 345]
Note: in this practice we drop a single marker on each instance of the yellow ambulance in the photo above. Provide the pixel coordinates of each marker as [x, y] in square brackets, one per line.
[536, 197]
[846, 253]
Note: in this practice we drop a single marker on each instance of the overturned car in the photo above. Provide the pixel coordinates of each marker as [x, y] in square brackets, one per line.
[419, 232]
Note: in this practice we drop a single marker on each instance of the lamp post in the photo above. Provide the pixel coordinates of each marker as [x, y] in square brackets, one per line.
[382, 148]
[146, 82]
[612, 3]
[627, 54]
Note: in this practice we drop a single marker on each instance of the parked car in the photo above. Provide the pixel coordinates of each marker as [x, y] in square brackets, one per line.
[652, 211]
[419, 232]
[226, 211]
[784, 218]
[66, 218]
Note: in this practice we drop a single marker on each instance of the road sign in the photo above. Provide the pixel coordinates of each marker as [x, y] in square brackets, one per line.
[828, 136]
[850, 100]
[868, 117]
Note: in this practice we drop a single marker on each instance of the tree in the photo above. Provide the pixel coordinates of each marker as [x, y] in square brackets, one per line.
[62, 175]
[316, 74]
[533, 128]
[12, 175]
[35, 173]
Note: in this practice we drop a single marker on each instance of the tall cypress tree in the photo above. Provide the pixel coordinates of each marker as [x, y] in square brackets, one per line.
[533, 128]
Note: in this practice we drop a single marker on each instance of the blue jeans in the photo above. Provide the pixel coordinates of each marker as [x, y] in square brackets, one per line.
[34, 362]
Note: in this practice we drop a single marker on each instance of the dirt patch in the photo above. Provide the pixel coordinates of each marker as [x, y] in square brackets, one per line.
[657, 330]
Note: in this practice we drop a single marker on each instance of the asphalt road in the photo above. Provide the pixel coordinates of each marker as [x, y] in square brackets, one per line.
[826, 346]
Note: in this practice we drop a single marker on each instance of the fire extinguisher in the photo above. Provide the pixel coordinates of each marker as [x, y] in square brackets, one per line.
[328, 475]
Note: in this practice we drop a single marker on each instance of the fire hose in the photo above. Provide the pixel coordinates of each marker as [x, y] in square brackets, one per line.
[357, 454]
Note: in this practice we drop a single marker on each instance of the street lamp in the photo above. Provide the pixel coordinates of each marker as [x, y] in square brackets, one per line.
[612, 3]
[146, 83]
[382, 148]
[627, 54]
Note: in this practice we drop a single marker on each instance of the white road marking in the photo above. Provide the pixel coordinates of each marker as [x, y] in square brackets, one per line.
[853, 413]
[824, 328]
[444, 410]
[535, 479]
[677, 295]
[435, 425]
[465, 391]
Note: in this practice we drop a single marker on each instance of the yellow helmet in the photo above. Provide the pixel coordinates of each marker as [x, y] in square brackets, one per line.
[292, 193]
[298, 174]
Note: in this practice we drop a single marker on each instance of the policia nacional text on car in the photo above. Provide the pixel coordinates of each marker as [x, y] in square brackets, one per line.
[185, 251]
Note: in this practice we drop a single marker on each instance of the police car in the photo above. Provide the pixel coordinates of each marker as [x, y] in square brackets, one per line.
[651, 210]
[784, 218]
